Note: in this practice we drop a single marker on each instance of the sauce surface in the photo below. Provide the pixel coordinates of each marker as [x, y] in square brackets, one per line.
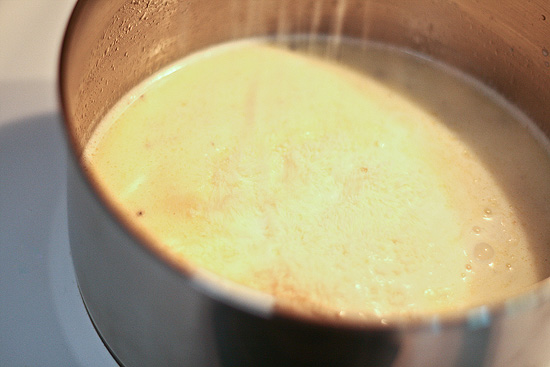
[373, 185]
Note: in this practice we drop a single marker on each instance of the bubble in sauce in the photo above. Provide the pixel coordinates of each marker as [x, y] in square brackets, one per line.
[476, 230]
[483, 251]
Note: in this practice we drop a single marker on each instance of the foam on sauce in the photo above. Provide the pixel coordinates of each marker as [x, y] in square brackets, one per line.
[382, 184]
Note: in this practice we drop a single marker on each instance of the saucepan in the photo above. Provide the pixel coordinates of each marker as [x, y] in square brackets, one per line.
[151, 311]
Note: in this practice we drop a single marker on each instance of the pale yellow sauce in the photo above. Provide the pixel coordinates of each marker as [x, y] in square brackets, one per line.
[388, 187]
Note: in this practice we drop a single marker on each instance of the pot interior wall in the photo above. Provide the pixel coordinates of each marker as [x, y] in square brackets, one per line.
[112, 47]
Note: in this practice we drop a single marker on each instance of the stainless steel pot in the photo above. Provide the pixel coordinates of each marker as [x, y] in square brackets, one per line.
[151, 311]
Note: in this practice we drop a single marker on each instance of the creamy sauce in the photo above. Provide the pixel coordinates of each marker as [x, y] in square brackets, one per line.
[382, 184]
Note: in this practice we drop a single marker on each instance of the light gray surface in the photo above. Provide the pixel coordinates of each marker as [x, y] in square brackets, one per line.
[42, 319]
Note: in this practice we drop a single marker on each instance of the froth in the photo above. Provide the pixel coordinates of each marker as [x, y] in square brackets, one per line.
[374, 189]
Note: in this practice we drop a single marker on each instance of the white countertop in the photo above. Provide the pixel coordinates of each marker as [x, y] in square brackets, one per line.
[43, 321]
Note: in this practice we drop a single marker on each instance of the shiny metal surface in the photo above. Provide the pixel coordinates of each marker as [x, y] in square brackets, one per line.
[139, 301]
